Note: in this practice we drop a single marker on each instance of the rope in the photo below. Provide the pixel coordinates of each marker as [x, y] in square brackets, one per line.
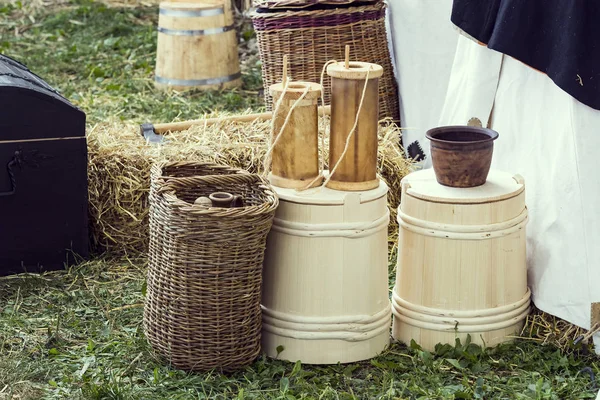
[347, 146]
[268, 160]
[350, 134]
[324, 130]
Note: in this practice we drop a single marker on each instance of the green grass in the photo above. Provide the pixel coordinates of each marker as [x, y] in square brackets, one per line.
[77, 334]
[103, 59]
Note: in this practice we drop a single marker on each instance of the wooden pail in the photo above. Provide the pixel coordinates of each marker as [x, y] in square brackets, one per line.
[197, 46]
[325, 278]
[296, 153]
[358, 168]
[461, 261]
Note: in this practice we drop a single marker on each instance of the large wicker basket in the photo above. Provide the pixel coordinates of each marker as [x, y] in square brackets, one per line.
[204, 279]
[291, 4]
[311, 37]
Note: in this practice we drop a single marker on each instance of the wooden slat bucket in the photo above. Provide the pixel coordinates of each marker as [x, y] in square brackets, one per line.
[325, 278]
[197, 46]
[461, 261]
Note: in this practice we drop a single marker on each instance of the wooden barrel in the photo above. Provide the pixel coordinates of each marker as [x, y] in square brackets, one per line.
[296, 153]
[197, 46]
[358, 168]
[325, 278]
[461, 261]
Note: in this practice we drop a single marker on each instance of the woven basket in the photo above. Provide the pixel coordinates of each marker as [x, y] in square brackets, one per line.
[292, 4]
[204, 279]
[310, 38]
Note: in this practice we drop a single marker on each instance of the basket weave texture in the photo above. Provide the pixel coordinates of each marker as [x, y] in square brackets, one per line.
[310, 38]
[291, 4]
[204, 279]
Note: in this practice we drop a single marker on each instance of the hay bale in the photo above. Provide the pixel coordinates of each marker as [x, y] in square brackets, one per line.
[120, 161]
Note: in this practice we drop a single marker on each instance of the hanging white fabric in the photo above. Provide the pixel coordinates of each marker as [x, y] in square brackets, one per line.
[552, 140]
[423, 45]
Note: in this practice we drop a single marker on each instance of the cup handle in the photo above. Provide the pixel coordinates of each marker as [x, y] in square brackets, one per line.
[237, 201]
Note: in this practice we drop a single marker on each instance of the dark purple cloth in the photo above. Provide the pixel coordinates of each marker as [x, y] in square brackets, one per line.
[558, 37]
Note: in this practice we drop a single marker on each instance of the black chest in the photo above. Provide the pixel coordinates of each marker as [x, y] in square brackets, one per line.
[43, 175]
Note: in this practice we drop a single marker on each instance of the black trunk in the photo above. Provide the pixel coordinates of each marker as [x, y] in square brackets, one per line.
[43, 175]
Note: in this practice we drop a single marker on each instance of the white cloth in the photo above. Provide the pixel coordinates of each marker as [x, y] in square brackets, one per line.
[553, 141]
[423, 45]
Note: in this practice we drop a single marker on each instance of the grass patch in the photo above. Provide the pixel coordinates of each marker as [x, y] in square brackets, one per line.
[77, 334]
[102, 59]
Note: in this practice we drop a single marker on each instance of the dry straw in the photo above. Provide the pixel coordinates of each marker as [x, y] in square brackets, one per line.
[547, 329]
[120, 162]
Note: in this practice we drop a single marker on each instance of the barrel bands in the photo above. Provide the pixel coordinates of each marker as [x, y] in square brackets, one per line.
[197, 82]
[461, 321]
[463, 232]
[198, 32]
[350, 328]
[207, 12]
[351, 230]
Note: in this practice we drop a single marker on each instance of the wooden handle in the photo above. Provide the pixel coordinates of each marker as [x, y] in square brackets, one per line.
[404, 186]
[519, 179]
[182, 126]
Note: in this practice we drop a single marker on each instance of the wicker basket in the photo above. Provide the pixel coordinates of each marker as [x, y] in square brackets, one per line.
[291, 4]
[204, 280]
[312, 37]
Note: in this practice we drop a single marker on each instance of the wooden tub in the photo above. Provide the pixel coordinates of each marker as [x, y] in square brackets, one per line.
[325, 280]
[461, 261]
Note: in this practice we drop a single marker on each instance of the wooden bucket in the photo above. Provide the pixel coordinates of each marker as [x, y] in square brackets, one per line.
[325, 278]
[461, 261]
[197, 46]
[296, 153]
[358, 168]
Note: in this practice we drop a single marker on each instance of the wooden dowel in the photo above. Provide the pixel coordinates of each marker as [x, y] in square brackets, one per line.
[347, 58]
[285, 69]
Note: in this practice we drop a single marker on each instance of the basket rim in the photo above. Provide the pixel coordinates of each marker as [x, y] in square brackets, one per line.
[168, 191]
[158, 167]
[300, 4]
[316, 13]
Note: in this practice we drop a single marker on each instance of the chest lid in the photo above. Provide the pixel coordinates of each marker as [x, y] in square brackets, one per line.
[15, 74]
[31, 109]
[499, 186]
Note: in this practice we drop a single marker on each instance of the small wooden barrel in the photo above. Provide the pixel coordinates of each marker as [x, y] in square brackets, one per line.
[461, 261]
[325, 278]
[197, 46]
[358, 168]
[296, 154]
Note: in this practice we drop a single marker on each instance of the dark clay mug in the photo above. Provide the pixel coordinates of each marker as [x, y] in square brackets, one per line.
[226, 200]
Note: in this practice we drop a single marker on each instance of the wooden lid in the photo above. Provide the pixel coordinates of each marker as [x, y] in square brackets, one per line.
[327, 197]
[499, 186]
[357, 70]
[295, 90]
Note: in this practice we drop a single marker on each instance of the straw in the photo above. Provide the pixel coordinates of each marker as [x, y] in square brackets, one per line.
[120, 161]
